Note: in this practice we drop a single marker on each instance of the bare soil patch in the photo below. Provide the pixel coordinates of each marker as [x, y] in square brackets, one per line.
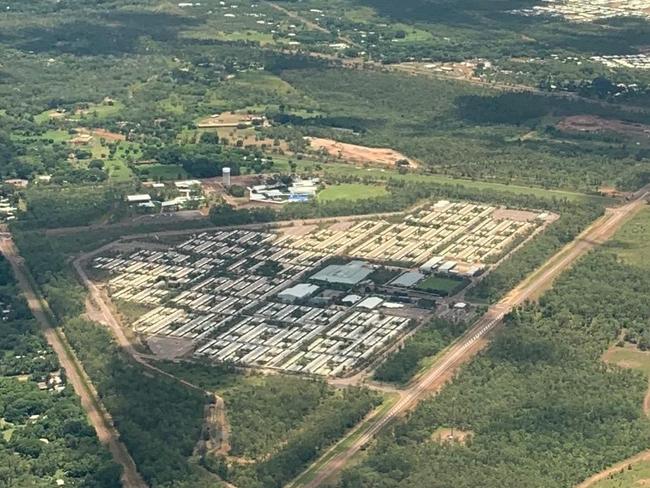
[359, 154]
[108, 135]
[228, 119]
[464, 70]
[593, 124]
[250, 137]
[169, 347]
[297, 230]
[341, 226]
[447, 435]
[516, 215]
[610, 191]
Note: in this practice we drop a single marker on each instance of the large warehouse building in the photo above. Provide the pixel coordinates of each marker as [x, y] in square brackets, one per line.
[346, 274]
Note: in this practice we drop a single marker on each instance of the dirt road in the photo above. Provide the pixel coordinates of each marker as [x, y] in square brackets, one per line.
[215, 419]
[309, 23]
[617, 468]
[105, 315]
[300, 18]
[473, 340]
[97, 414]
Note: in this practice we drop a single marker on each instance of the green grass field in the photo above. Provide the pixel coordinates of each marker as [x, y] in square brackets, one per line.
[264, 80]
[637, 475]
[631, 242]
[351, 191]
[161, 172]
[441, 285]
[412, 34]
[118, 171]
[103, 110]
[43, 117]
[627, 357]
[173, 104]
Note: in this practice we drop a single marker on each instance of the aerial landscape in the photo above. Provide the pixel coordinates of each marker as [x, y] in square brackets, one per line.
[325, 243]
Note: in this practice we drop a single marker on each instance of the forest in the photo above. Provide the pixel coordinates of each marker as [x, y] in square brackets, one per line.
[278, 424]
[429, 340]
[539, 407]
[159, 419]
[45, 433]
[463, 131]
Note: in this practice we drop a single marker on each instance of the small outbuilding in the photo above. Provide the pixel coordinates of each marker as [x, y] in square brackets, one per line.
[141, 198]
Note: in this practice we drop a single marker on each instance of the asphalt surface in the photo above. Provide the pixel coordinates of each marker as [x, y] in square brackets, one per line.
[473, 340]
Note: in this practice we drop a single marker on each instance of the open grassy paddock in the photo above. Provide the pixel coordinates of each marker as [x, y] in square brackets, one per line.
[632, 243]
[161, 172]
[628, 357]
[351, 191]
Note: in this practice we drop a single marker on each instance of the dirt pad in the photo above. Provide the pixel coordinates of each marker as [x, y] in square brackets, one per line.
[446, 435]
[516, 215]
[592, 124]
[109, 136]
[297, 230]
[359, 154]
[169, 347]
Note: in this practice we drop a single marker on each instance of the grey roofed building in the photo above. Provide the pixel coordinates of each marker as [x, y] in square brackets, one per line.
[407, 280]
[447, 266]
[431, 264]
[371, 303]
[347, 274]
[298, 292]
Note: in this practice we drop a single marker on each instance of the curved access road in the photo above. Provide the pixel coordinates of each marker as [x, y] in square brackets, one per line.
[97, 414]
[475, 339]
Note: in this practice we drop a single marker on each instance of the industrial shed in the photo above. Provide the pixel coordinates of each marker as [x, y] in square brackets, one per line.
[347, 274]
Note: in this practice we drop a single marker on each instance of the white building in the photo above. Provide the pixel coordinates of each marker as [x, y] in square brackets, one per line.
[297, 292]
[140, 198]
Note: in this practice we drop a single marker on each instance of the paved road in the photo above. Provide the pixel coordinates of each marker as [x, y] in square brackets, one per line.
[473, 340]
[97, 414]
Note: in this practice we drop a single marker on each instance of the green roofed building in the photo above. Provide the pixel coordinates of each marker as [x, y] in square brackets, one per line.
[347, 274]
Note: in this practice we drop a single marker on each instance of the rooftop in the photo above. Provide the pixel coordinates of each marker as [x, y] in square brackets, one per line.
[347, 274]
[301, 290]
[407, 279]
[138, 198]
[371, 303]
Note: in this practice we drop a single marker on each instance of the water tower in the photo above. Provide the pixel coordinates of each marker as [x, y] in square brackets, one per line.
[226, 176]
